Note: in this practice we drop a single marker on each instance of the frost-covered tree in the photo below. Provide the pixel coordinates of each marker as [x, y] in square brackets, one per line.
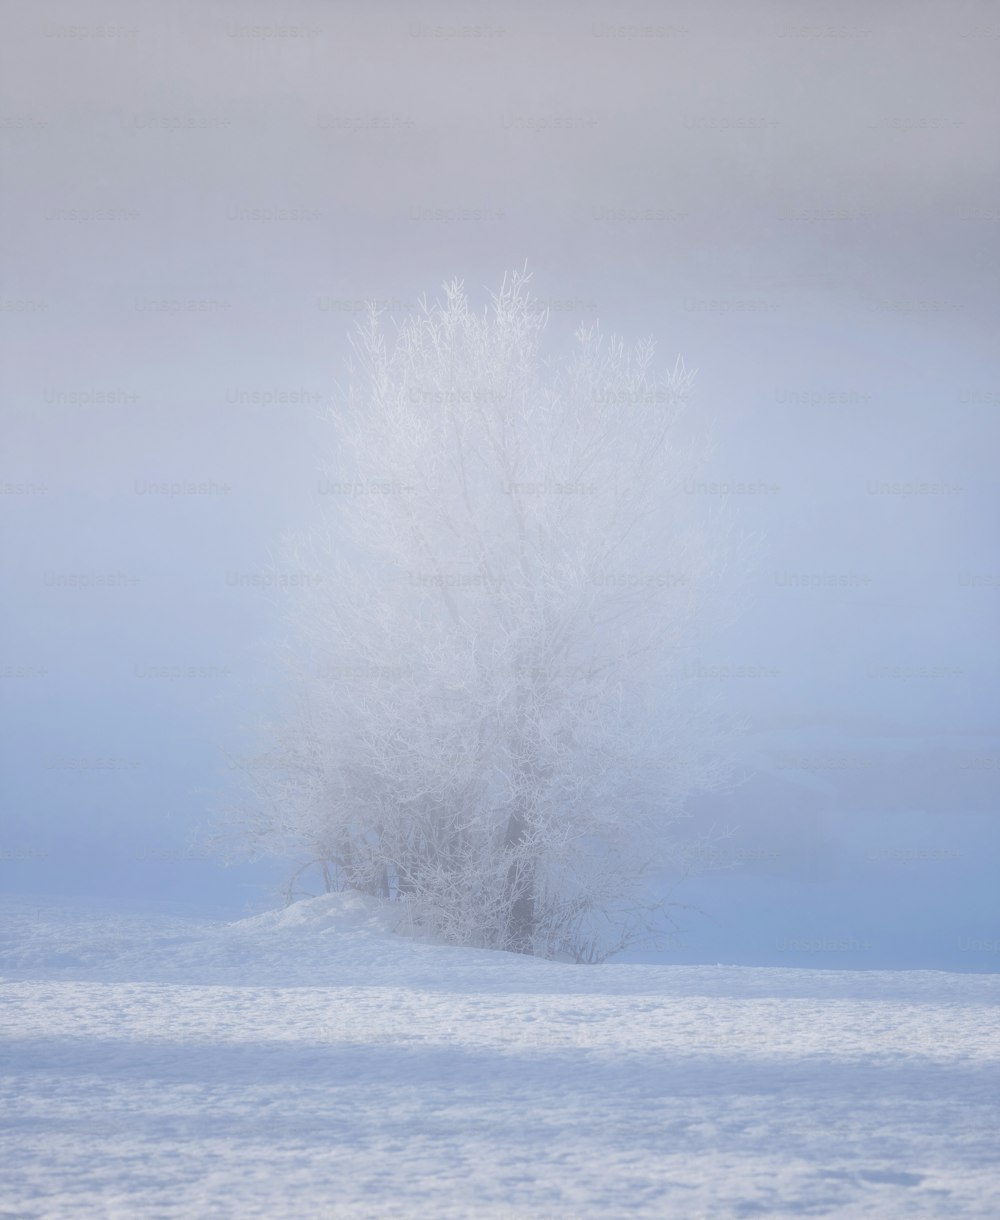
[490, 721]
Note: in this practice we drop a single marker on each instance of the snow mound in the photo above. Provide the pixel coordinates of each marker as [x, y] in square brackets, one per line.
[332, 938]
[343, 913]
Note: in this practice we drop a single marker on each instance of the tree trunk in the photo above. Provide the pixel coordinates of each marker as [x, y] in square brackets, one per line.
[520, 887]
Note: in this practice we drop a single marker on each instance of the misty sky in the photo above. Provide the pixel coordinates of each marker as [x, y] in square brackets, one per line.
[801, 200]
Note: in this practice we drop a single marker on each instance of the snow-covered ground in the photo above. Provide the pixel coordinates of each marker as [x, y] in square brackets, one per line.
[308, 1063]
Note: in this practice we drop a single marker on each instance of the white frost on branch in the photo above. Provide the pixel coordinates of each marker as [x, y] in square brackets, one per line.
[489, 722]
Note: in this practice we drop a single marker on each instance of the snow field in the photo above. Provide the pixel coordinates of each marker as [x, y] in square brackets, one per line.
[308, 1063]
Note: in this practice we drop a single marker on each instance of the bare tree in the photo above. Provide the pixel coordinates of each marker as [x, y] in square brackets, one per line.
[490, 721]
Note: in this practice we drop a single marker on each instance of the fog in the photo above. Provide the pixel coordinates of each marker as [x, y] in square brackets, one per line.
[804, 205]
